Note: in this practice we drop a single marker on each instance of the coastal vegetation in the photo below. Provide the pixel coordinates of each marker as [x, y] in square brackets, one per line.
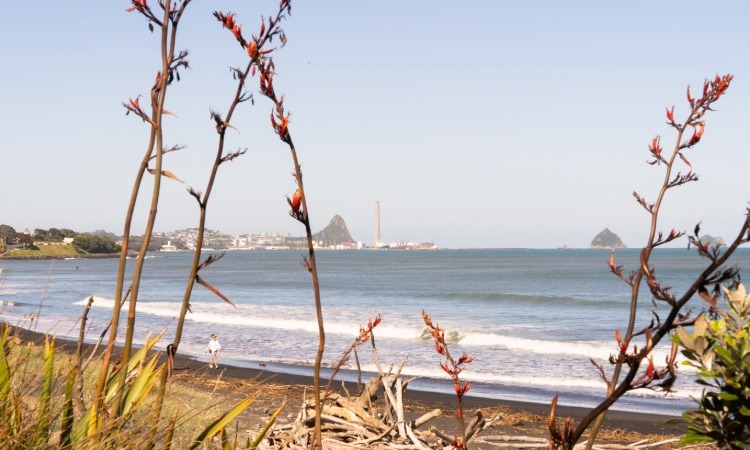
[43, 251]
[127, 402]
[54, 243]
[719, 349]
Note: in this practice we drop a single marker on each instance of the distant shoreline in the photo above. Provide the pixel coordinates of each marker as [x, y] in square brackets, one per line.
[83, 256]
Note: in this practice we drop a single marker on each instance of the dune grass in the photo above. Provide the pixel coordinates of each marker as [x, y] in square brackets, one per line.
[38, 398]
[45, 250]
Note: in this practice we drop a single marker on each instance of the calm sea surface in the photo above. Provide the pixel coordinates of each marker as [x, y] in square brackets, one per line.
[531, 318]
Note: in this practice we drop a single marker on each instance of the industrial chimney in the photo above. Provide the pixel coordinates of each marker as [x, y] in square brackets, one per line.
[377, 223]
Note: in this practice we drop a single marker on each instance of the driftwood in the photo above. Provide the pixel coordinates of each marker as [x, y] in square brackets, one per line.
[505, 441]
[373, 419]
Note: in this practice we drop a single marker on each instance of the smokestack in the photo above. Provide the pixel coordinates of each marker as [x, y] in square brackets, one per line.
[377, 222]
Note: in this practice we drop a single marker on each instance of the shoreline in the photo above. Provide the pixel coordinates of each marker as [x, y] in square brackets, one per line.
[626, 421]
[38, 257]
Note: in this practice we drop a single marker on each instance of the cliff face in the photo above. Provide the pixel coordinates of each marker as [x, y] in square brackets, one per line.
[335, 233]
[607, 239]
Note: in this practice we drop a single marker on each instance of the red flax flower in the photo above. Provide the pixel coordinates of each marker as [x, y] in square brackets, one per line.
[655, 149]
[282, 127]
[460, 388]
[465, 359]
[623, 345]
[252, 48]
[140, 5]
[670, 115]
[237, 31]
[266, 84]
[650, 369]
[699, 128]
[720, 84]
[364, 332]
[227, 20]
[295, 204]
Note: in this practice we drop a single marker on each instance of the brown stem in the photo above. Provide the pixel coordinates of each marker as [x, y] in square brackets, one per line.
[107, 357]
[318, 305]
[615, 391]
[203, 203]
[168, 37]
[78, 396]
[661, 332]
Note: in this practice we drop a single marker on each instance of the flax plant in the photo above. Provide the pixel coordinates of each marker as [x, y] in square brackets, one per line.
[365, 333]
[49, 421]
[123, 412]
[222, 124]
[257, 48]
[171, 62]
[719, 350]
[453, 368]
[627, 361]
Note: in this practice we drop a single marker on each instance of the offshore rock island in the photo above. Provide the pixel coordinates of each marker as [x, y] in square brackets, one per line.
[607, 239]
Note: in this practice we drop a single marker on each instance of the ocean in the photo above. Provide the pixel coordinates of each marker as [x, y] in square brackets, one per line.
[530, 318]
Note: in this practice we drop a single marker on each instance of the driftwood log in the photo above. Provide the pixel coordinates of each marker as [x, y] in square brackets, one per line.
[373, 419]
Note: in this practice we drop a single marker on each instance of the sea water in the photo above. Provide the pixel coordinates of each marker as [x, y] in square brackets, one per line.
[532, 319]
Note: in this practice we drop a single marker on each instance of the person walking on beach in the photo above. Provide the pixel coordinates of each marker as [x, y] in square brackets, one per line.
[213, 348]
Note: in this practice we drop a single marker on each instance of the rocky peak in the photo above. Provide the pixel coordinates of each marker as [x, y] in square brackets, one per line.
[607, 239]
[335, 233]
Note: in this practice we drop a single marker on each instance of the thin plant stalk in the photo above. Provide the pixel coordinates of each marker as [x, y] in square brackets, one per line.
[453, 368]
[711, 277]
[280, 122]
[158, 96]
[695, 113]
[221, 128]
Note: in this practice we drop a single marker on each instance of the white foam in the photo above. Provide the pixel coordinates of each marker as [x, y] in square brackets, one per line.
[247, 316]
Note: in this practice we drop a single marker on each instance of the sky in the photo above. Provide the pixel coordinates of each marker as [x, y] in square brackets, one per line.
[474, 124]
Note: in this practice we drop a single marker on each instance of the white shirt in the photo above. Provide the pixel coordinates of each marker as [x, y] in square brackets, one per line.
[213, 346]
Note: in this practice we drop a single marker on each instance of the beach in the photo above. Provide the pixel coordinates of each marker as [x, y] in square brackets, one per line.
[513, 418]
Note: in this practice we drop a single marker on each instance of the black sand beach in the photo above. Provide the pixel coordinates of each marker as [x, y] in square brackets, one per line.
[518, 418]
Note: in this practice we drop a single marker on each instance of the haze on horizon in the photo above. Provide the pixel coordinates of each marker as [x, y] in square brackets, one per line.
[484, 124]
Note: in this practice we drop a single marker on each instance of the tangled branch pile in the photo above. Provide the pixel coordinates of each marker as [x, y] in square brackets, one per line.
[364, 421]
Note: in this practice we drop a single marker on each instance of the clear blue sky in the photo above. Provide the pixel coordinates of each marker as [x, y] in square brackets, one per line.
[483, 124]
